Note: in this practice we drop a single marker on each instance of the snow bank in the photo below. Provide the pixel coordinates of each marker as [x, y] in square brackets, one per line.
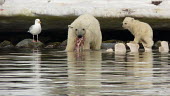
[102, 8]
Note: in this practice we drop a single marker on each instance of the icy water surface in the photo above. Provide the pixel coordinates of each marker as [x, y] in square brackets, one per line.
[91, 73]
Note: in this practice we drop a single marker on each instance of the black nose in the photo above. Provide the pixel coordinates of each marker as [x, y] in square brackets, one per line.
[79, 36]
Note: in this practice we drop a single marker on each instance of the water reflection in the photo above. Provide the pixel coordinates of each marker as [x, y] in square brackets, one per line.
[90, 73]
[140, 66]
[21, 72]
[162, 74]
[129, 73]
[36, 62]
[84, 72]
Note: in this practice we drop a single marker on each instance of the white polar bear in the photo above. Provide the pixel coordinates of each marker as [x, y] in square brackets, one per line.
[142, 32]
[84, 32]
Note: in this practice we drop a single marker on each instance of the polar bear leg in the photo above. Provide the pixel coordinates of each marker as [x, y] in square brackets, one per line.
[70, 45]
[70, 48]
[97, 45]
[136, 39]
[86, 46]
[147, 42]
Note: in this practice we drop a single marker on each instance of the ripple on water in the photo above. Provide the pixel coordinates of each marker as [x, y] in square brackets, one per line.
[91, 73]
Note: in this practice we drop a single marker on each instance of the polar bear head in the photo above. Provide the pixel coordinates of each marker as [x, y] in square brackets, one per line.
[127, 22]
[78, 31]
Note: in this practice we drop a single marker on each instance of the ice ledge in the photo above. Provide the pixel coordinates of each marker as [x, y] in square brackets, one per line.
[99, 8]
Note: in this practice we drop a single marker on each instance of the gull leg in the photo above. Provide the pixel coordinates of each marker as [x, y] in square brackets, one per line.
[33, 39]
[37, 38]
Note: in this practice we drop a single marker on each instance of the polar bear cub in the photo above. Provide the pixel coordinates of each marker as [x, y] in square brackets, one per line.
[142, 32]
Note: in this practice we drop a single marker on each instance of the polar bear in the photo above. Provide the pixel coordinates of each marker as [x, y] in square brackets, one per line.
[84, 33]
[142, 32]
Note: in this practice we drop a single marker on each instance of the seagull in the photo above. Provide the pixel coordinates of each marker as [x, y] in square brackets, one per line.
[1, 3]
[35, 29]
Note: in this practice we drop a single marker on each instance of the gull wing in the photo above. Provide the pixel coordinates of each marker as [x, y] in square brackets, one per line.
[30, 29]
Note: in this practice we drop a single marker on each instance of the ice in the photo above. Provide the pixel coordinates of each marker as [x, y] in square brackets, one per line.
[102, 8]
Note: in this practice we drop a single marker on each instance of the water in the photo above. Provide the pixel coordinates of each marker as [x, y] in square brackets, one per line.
[91, 73]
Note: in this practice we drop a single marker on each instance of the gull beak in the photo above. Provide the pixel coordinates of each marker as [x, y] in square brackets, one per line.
[40, 22]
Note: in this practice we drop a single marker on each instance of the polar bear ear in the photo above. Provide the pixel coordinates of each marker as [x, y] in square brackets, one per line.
[69, 26]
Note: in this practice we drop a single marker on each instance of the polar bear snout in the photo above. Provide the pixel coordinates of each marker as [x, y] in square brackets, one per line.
[125, 25]
[79, 36]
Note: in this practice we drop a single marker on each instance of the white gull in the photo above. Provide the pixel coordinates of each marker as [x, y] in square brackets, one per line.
[35, 29]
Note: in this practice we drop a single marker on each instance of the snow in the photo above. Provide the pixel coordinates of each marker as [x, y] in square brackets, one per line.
[101, 8]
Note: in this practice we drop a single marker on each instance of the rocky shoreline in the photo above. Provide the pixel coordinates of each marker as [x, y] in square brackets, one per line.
[28, 44]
